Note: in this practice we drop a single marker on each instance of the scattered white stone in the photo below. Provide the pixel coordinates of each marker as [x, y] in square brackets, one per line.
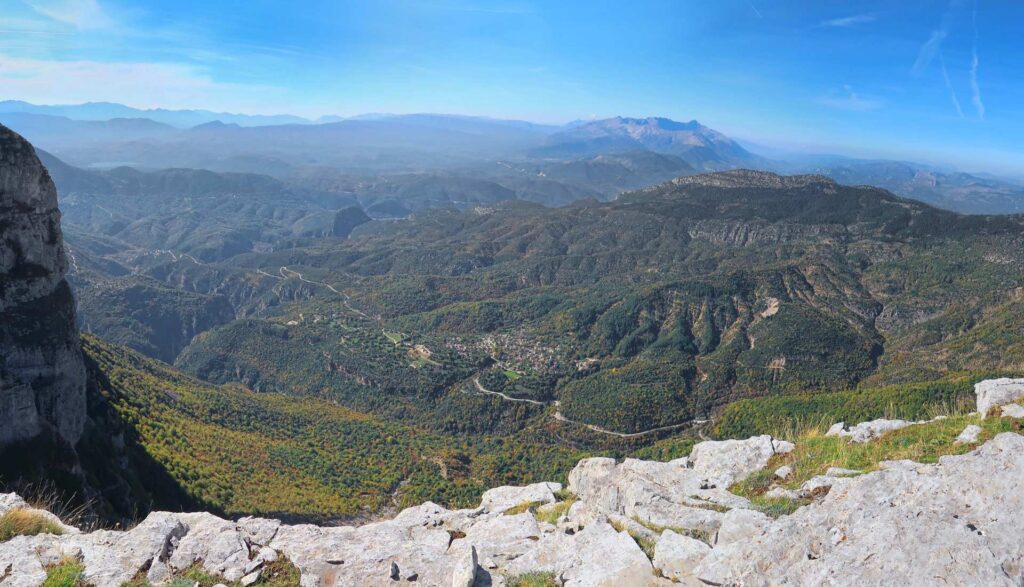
[676, 555]
[841, 472]
[866, 431]
[836, 429]
[1013, 411]
[820, 485]
[783, 472]
[250, 579]
[781, 493]
[969, 435]
[992, 393]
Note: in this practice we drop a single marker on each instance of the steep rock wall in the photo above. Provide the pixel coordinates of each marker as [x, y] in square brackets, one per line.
[42, 375]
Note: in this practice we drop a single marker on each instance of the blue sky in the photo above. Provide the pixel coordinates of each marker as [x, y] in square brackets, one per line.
[938, 81]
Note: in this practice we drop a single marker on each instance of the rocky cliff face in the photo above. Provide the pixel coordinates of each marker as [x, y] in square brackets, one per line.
[42, 375]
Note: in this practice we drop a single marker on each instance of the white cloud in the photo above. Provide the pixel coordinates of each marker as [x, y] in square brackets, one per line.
[848, 99]
[979, 106]
[949, 86]
[143, 85]
[848, 21]
[81, 14]
[928, 51]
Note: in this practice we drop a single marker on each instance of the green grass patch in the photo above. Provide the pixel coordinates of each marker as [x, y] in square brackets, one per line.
[66, 573]
[533, 580]
[790, 415]
[704, 536]
[550, 513]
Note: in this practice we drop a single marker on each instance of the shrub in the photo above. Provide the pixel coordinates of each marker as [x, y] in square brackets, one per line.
[26, 522]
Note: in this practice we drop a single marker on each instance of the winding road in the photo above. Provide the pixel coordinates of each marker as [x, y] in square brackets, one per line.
[698, 424]
[692, 423]
[482, 389]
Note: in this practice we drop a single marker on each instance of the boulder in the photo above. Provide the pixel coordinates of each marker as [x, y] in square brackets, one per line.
[866, 431]
[781, 493]
[676, 555]
[1013, 411]
[992, 393]
[500, 499]
[724, 462]
[969, 435]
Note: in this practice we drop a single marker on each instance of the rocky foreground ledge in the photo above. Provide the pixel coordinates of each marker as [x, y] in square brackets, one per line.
[956, 522]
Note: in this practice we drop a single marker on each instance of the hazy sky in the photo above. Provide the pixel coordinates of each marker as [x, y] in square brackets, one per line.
[930, 80]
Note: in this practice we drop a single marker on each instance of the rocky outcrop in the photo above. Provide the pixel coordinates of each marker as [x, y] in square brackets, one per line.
[955, 522]
[992, 393]
[42, 375]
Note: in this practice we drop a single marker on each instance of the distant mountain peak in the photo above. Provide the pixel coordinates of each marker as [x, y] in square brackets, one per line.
[702, 147]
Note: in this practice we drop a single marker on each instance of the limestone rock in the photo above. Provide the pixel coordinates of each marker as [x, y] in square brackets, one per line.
[465, 570]
[725, 462]
[659, 494]
[783, 472]
[866, 431]
[969, 435]
[42, 373]
[685, 493]
[500, 499]
[676, 555]
[1013, 411]
[904, 525]
[781, 493]
[10, 501]
[598, 556]
[992, 393]
[740, 524]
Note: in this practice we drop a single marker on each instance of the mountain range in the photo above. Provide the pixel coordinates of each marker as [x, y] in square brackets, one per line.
[549, 164]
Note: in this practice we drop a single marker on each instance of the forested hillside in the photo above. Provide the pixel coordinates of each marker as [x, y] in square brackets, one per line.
[654, 309]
